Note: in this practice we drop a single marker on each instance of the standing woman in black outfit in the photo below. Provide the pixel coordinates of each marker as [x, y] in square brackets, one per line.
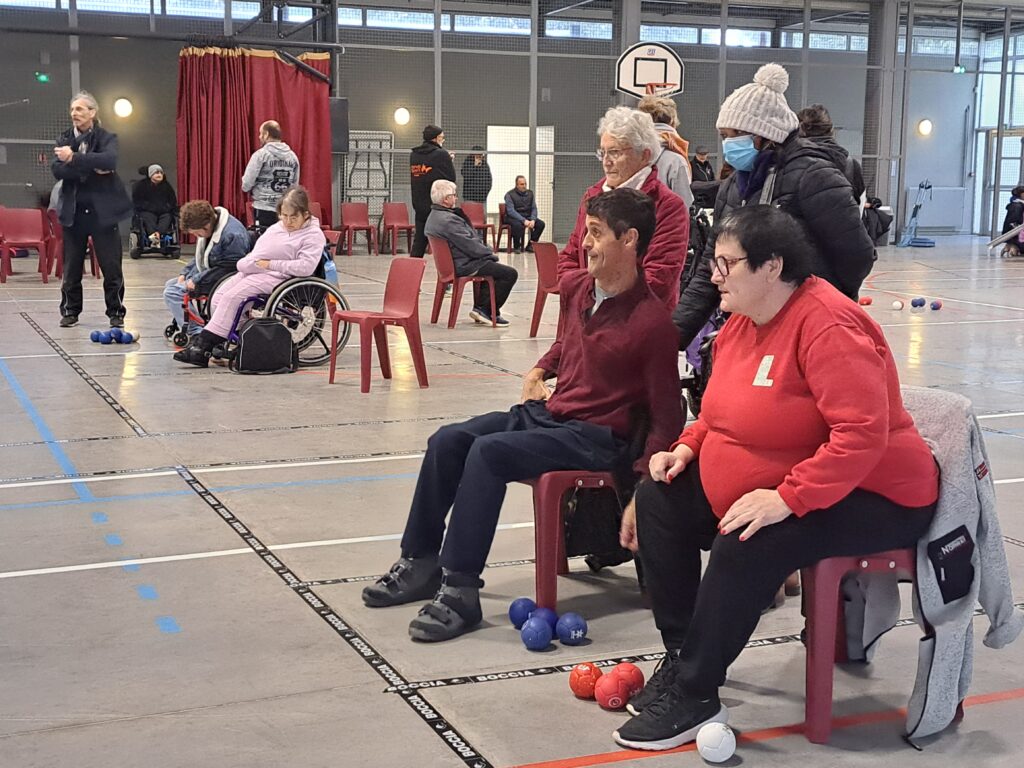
[92, 201]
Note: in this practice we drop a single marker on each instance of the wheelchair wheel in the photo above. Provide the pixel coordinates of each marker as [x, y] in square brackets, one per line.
[180, 338]
[171, 329]
[134, 247]
[305, 306]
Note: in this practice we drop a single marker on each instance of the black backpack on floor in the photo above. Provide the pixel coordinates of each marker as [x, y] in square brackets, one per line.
[265, 346]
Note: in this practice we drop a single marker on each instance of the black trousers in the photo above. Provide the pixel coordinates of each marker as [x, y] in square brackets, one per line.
[265, 218]
[467, 467]
[675, 522]
[518, 229]
[504, 278]
[107, 241]
[419, 238]
[155, 222]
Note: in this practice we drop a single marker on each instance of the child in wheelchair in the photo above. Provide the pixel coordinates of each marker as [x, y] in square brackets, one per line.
[223, 242]
[290, 248]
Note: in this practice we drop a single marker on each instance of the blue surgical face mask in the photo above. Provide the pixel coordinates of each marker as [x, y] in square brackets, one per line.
[740, 152]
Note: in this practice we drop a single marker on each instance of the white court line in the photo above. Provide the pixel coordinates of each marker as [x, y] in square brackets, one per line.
[204, 470]
[951, 322]
[484, 341]
[1000, 415]
[219, 553]
[92, 354]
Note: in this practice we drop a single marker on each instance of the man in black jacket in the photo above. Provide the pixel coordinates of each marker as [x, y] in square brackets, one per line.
[427, 163]
[92, 201]
[476, 176]
[774, 166]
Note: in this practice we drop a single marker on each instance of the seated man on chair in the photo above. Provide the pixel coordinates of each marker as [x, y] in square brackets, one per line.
[472, 256]
[616, 355]
[521, 215]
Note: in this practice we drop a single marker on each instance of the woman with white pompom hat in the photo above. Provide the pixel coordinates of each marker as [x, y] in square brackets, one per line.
[774, 166]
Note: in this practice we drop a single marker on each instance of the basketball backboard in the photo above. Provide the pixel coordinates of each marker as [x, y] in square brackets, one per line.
[645, 63]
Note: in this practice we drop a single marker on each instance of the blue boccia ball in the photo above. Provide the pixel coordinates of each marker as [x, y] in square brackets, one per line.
[536, 634]
[94, 336]
[105, 337]
[547, 615]
[115, 334]
[918, 302]
[519, 611]
[571, 629]
[127, 338]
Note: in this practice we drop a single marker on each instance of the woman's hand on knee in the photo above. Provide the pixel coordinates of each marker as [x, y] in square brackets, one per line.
[666, 465]
[755, 510]
[627, 531]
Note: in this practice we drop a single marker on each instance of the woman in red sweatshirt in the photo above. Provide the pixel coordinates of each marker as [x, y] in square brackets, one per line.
[802, 451]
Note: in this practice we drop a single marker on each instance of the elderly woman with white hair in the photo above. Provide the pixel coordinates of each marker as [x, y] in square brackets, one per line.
[471, 255]
[629, 146]
[92, 201]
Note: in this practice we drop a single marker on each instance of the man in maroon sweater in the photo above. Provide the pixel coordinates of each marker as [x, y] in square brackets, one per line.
[616, 355]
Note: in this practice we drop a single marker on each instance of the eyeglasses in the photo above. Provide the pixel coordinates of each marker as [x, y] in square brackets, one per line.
[611, 154]
[723, 265]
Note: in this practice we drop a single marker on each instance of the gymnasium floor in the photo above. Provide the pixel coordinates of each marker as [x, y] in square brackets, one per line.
[183, 552]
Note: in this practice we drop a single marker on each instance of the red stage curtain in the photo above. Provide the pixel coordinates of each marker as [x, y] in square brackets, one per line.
[223, 96]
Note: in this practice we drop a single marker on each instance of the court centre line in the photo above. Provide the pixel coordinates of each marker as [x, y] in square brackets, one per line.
[221, 553]
[1000, 415]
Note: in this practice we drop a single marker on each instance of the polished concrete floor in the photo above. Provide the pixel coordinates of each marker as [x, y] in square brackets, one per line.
[183, 551]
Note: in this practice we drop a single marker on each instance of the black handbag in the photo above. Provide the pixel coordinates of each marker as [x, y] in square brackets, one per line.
[264, 346]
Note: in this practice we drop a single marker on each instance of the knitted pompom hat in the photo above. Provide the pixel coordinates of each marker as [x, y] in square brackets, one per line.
[760, 107]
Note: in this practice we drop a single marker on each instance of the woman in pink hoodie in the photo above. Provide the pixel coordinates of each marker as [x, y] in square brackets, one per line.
[290, 248]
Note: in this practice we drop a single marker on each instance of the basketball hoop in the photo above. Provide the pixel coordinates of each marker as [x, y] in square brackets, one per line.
[661, 89]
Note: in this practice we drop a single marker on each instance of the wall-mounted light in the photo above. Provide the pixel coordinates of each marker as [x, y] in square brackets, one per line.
[123, 108]
[402, 116]
[925, 127]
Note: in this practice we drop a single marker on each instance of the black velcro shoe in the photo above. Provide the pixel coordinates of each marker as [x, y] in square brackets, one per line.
[193, 355]
[662, 679]
[454, 611]
[408, 581]
[671, 721]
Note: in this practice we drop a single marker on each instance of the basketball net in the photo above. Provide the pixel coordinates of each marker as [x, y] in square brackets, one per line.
[661, 89]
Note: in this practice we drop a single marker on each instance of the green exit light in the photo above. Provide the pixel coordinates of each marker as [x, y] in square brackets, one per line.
[42, 77]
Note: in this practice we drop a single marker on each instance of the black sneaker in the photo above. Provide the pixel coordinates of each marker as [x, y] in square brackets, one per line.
[671, 721]
[117, 322]
[68, 320]
[662, 679]
[409, 580]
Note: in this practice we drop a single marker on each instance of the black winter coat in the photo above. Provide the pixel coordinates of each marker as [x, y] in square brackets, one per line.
[476, 180]
[427, 163]
[1014, 215]
[154, 198]
[105, 192]
[849, 167]
[809, 187]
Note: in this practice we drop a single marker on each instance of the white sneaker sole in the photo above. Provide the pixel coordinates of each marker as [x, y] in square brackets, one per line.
[476, 317]
[676, 741]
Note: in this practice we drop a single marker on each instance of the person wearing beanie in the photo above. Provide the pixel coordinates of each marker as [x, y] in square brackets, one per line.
[476, 176]
[427, 163]
[155, 203]
[773, 165]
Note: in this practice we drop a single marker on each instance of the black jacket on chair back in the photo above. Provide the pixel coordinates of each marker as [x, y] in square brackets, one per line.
[91, 177]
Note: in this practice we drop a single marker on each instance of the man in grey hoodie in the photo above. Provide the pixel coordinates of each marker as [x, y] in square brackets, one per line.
[271, 170]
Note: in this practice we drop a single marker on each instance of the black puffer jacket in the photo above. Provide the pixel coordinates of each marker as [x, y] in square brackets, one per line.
[809, 187]
[849, 167]
[428, 163]
[154, 198]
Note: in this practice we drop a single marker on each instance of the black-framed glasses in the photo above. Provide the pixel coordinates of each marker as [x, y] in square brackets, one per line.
[611, 154]
[723, 265]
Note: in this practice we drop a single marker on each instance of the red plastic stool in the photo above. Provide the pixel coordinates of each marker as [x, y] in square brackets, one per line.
[548, 526]
[826, 633]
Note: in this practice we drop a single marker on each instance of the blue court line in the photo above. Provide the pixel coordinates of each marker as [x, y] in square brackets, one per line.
[63, 460]
[221, 489]
[146, 592]
[167, 624]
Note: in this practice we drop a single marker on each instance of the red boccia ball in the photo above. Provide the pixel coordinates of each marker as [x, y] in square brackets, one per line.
[632, 675]
[612, 692]
[865, 300]
[583, 678]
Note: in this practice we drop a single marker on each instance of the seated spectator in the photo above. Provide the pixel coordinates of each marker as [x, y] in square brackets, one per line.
[611, 324]
[290, 248]
[1014, 218]
[786, 465]
[629, 147]
[156, 204]
[521, 215]
[672, 163]
[471, 255]
[223, 241]
[476, 176]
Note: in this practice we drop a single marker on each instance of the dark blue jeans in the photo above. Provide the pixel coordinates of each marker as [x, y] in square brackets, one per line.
[468, 465]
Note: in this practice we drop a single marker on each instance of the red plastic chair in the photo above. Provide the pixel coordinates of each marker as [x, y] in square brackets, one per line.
[332, 235]
[402, 308]
[549, 527]
[478, 218]
[396, 220]
[355, 217]
[23, 228]
[503, 229]
[445, 265]
[547, 281]
[826, 634]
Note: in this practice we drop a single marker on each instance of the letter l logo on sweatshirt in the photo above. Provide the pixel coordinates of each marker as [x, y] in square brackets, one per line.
[761, 377]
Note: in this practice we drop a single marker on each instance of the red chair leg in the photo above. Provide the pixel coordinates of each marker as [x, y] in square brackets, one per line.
[380, 335]
[394, 241]
[822, 599]
[376, 247]
[335, 323]
[453, 313]
[547, 511]
[538, 311]
[5, 263]
[44, 263]
[365, 355]
[412, 335]
[435, 311]
[351, 234]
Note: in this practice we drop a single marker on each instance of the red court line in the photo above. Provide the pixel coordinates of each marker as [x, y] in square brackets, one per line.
[766, 734]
